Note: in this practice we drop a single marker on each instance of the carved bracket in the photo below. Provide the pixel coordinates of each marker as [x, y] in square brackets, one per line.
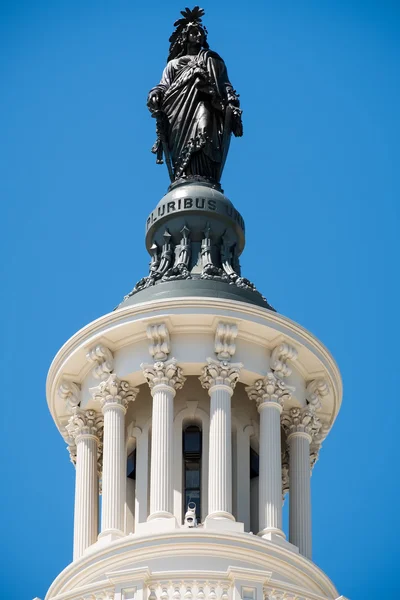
[160, 342]
[70, 393]
[225, 336]
[315, 391]
[103, 359]
[279, 357]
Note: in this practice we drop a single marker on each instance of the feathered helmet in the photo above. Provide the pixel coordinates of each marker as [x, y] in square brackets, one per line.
[191, 18]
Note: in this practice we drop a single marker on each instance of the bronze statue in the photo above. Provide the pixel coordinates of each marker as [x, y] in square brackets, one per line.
[195, 105]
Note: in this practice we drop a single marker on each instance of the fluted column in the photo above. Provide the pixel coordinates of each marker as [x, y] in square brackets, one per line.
[114, 396]
[300, 425]
[270, 393]
[164, 378]
[219, 378]
[85, 429]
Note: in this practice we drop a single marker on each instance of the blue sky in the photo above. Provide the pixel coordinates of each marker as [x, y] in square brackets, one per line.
[316, 177]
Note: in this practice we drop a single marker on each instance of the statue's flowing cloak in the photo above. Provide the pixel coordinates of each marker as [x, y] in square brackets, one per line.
[194, 97]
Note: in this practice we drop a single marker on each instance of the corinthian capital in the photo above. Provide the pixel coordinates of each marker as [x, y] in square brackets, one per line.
[114, 391]
[279, 357]
[269, 389]
[316, 443]
[301, 420]
[103, 360]
[85, 422]
[225, 336]
[70, 392]
[164, 374]
[315, 391]
[220, 372]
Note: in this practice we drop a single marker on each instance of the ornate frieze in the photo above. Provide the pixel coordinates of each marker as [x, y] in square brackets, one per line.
[159, 347]
[225, 336]
[300, 420]
[220, 372]
[164, 373]
[70, 393]
[103, 360]
[279, 357]
[189, 590]
[114, 391]
[269, 389]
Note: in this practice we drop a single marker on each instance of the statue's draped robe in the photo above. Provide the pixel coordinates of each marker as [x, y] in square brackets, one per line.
[194, 93]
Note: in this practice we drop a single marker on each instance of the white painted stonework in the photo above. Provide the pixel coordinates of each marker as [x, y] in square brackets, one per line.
[253, 383]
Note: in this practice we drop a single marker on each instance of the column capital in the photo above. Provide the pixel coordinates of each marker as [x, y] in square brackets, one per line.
[316, 443]
[163, 375]
[220, 373]
[84, 423]
[301, 422]
[269, 391]
[113, 392]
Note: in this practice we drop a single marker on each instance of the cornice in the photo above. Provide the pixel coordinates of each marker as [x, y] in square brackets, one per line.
[168, 311]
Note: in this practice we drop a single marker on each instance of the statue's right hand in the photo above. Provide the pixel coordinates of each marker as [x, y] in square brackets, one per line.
[153, 100]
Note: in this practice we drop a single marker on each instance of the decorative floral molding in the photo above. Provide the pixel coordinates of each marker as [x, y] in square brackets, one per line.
[114, 391]
[225, 336]
[70, 393]
[164, 373]
[103, 359]
[269, 389]
[279, 357]
[160, 342]
[220, 372]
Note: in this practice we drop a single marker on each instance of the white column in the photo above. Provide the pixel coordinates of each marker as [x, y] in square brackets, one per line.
[243, 475]
[300, 425]
[164, 379]
[85, 427]
[220, 378]
[270, 393]
[142, 467]
[114, 396]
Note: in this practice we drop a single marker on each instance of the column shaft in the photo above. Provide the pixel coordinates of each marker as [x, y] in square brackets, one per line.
[161, 472]
[300, 493]
[270, 477]
[220, 454]
[86, 494]
[114, 469]
[141, 493]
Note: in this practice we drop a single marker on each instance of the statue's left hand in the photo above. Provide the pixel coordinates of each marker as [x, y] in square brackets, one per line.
[236, 123]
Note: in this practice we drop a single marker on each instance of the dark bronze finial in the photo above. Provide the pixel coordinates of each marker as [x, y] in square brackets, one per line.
[195, 106]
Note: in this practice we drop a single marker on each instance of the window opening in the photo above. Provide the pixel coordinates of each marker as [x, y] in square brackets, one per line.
[254, 464]
[192, 467]
[131, 465]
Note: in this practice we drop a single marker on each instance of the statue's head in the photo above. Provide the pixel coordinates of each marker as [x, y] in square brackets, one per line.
[189, 31]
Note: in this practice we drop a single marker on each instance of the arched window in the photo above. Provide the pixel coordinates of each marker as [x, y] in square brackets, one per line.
[192, 467]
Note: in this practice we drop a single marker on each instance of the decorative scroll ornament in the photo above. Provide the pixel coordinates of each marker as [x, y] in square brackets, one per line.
[225, 336]
[114, 391]
[103, 359]
[159, 337]
[220, 373]
[300, 420]
[164, 373]
[269, 389]
[70, 392]
[85, 422]
[315, 391]
[279, 357]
